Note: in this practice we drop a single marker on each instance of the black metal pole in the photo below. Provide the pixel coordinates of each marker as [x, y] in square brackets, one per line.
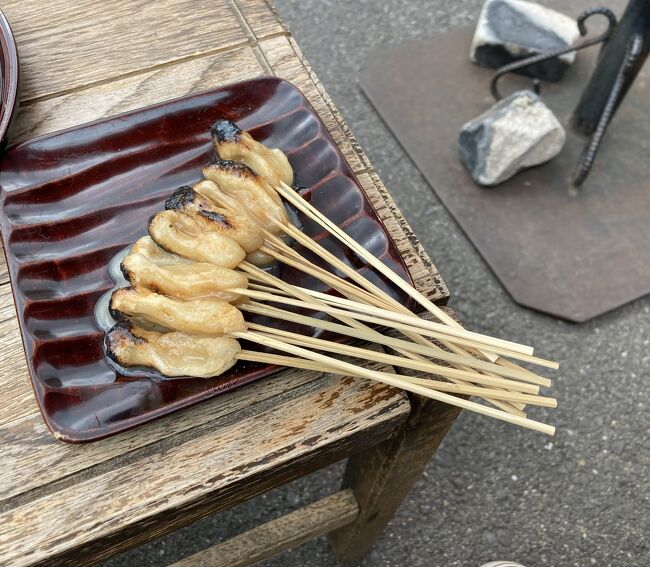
[635, 20]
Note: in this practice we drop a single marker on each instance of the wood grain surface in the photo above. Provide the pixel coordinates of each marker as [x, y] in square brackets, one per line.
[83, 60]
[278, 535]
[148, 493]
[96, 42]
[132, 92]
[259, 19]
[382, 477]
[35, 460]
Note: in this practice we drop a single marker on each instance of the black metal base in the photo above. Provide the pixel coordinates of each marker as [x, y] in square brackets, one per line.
[574, 256]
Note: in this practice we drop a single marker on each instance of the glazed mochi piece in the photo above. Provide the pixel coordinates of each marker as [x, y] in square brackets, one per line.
[211, 191]
[182, 235]
[213, 218]
[195, 317]
[241, 182]
[172, 354]
[159, 256]
[232, 143]
[194, 280]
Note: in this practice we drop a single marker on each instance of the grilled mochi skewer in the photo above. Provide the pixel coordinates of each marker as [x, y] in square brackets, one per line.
[240, 227]
[206, 317]
[146, 247]
[193, 280]
[182, 235]
[211, 191]
[231, 143]
[150, 250]
[172, 354]
[241, 182]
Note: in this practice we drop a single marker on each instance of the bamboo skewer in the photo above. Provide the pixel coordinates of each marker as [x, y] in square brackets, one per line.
[363, 307]
[301, 363]
[383, 299]
[455, 331]
[548, 402]
[422, 366]
[268, 289]
[260, 275]
[293, 197]
[530, 376]
[283, 360]
[295, 362]
[494, 393]
[395, 381]
[415, 321]
[262, 309]
[380, 298]
[527, 393]
[281, 251]
[326, 255]
[297, 201]
[315, 271]
[378, 320]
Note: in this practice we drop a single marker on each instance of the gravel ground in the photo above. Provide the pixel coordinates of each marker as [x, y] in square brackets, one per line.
[493, 491]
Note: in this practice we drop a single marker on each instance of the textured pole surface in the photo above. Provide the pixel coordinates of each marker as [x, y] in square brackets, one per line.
[636, 20]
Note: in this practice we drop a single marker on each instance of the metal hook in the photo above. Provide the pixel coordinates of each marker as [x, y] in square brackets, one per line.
[633, 52]
[582, 28]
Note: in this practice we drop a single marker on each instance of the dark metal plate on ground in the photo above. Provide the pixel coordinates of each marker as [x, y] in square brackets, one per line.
[573, 256]
[71, 200]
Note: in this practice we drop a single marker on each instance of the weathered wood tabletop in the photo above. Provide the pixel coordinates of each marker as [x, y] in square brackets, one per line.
[86, 59]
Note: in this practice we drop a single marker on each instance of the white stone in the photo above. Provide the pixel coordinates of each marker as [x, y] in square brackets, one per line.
[508, 30]
[518, 132]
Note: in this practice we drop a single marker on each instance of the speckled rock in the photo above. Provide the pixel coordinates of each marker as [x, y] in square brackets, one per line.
[508, 30]
[517, 132]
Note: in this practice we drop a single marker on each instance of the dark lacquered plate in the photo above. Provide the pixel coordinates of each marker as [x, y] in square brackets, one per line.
[72, 200]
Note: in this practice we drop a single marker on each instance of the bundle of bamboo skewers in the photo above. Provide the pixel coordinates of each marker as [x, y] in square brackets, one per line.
[241, 199]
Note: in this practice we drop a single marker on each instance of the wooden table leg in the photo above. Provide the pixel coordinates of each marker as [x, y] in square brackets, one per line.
[382, 476]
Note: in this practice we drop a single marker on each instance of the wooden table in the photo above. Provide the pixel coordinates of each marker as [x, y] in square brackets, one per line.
[69, 505]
